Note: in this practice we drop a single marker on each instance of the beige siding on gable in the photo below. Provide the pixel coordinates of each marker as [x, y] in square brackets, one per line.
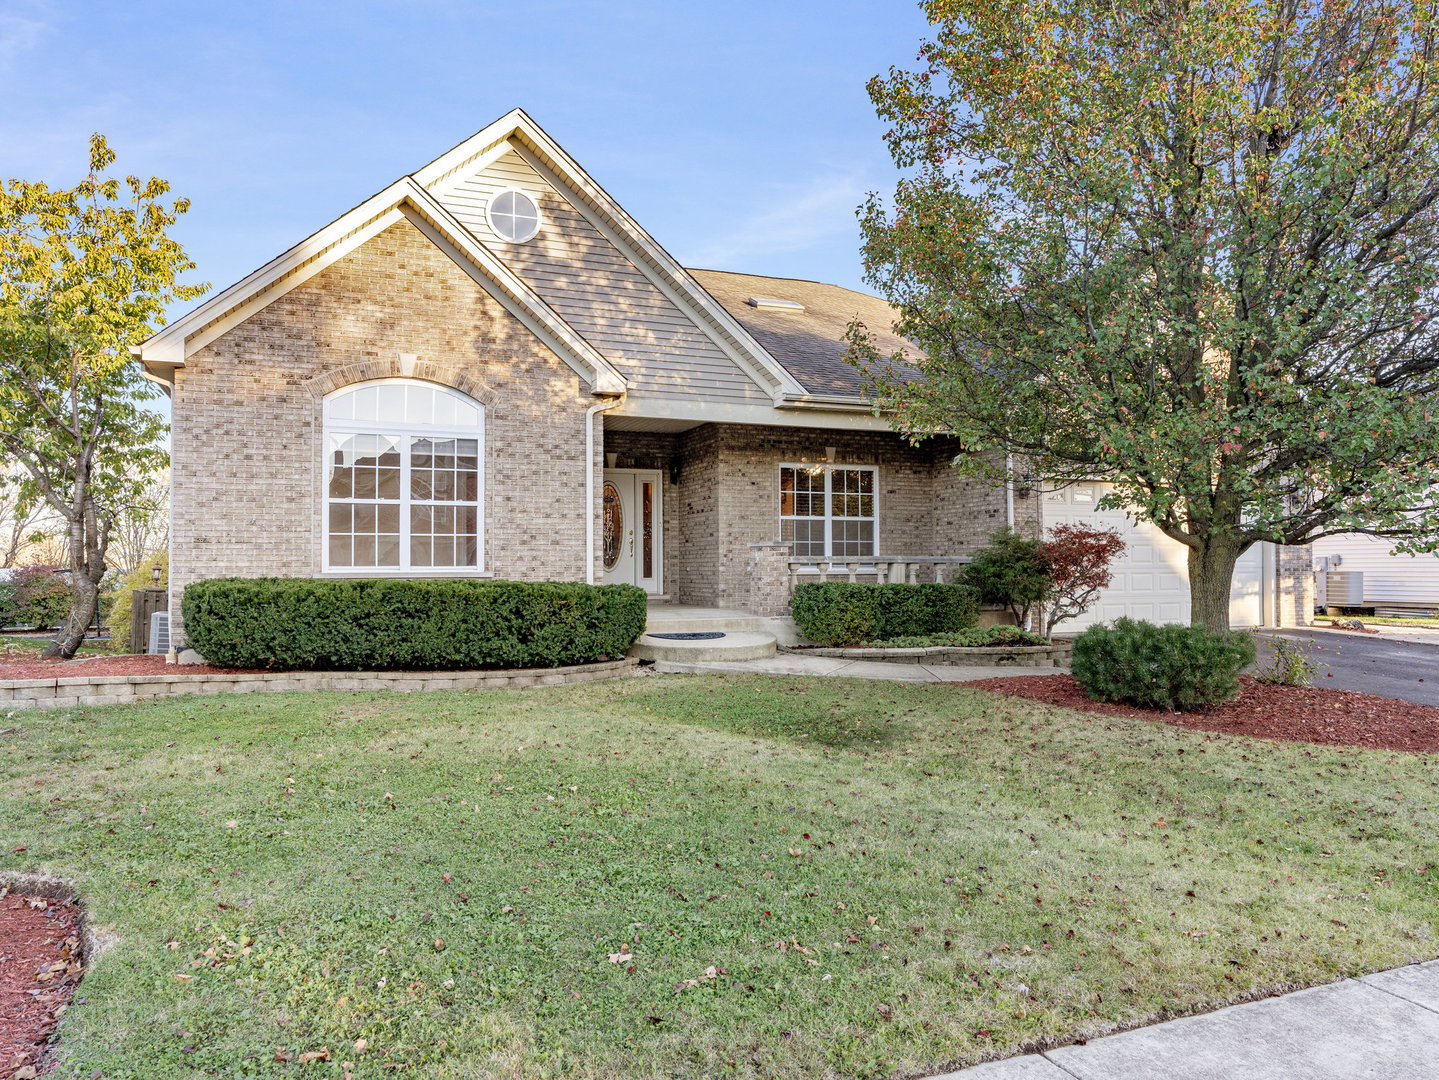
[599, 291]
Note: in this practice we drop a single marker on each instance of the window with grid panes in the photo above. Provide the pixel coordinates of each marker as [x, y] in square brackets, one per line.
[403, 478]
[828, 511]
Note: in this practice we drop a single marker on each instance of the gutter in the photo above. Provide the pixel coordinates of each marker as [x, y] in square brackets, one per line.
[167, 384]
[590, 413]
[832, 402]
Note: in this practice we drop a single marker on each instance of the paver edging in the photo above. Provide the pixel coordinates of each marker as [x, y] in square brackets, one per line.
[1056, 655]
[117, 689]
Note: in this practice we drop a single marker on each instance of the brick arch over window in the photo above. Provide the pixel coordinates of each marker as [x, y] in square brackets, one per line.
[424, 370]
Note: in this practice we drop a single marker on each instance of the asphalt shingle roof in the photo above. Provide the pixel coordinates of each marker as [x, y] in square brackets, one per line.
[809, 344]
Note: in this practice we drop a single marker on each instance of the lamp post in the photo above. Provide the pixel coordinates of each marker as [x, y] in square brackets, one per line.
[155, 575]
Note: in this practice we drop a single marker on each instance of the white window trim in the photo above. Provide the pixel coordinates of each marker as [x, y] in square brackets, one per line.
[405, 431]
[829, 470]
[539, 216]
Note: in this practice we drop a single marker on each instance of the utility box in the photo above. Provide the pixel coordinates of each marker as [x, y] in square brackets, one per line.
[143, 604]
[1344, 588]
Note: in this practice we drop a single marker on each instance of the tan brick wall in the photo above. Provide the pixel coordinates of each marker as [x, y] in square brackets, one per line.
[1296, 585]
[696, 576]
[246, 432]
[769, 588]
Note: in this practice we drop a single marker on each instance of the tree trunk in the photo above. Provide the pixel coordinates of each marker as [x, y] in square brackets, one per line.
[1211, 577]
[89, 537]
[85, 595]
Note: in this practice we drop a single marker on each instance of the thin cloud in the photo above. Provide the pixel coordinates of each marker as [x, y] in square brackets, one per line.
[797, 221]
[20, 33]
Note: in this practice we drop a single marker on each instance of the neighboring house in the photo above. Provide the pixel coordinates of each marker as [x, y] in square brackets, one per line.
[489, 369]
[1391, 581]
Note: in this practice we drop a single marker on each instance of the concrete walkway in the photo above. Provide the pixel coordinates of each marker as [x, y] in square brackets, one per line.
[1384, 1027]
[831, 667]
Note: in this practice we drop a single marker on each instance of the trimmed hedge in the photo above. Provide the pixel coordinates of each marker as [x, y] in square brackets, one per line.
[841, 613]
[1000, 635]
[408, 624]
[1160, 667]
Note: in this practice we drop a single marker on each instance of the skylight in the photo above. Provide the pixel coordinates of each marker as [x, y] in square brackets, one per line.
[770, 303]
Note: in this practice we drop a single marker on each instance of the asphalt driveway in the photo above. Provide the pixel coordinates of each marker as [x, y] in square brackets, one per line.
[1371, 664]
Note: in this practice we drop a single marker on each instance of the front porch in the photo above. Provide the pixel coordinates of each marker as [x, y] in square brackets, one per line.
[734, 516]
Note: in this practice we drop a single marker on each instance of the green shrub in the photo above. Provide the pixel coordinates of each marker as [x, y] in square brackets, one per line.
[412, 625]
[965, 639]
[841, 613]
[117, 615]
[1011, 572]
[1289, 663]
[1160, 667]
[41, 599]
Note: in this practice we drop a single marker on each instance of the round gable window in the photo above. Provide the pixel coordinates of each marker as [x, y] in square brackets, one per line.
[514, 216]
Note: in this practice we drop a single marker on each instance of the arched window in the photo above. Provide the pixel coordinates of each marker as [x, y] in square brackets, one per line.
[404, 478]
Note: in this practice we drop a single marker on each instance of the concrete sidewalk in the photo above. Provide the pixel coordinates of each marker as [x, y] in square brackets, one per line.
[1383, 1027]
[825, 666]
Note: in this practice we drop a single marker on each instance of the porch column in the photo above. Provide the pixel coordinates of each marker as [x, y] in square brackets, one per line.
[769, 579]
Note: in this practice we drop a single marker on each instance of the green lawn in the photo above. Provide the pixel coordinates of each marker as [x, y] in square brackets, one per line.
[810, 878]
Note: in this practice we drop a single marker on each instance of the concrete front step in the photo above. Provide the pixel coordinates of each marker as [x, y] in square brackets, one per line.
[660, 623]
[735, 645]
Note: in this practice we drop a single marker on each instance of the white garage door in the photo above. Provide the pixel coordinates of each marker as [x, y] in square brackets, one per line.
[1151, 578]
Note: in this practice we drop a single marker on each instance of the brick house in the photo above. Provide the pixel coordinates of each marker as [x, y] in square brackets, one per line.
[489, 369]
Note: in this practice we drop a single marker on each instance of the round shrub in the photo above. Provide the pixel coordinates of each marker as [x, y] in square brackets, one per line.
[1011, 572]
[408, 624]
[1171, 667]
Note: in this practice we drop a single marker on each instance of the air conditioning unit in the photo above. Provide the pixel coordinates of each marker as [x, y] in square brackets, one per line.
[159, 633]
[1345, 588]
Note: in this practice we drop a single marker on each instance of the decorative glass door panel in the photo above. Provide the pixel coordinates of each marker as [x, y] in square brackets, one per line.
[631, 537]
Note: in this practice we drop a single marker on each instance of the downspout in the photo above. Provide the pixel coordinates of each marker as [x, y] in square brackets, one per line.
[1009, 491]
[1009, 512]
[599, 407]
[1268, 587]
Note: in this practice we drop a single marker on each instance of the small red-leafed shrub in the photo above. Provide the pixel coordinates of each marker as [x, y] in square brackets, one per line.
[1080, 559]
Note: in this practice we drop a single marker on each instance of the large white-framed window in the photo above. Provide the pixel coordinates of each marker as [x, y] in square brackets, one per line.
[404, 479]
[829, 511]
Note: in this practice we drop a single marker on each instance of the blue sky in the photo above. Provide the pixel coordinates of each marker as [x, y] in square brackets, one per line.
[738, 134]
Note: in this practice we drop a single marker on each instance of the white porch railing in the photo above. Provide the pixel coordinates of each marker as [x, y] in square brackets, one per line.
[888, 569]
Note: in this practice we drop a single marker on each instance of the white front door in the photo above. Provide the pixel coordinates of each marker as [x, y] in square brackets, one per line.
[630, 534]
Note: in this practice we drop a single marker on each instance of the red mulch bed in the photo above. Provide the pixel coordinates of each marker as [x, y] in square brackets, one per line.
[39, 951]
[33, 667]
[1283, 713]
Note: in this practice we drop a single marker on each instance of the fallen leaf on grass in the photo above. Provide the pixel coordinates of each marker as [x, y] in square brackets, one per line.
[711, 973]
[623, 956]
[315, 1055]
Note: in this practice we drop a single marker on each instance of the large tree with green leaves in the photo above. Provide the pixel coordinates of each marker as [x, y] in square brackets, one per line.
[85, 272]
[1187, 246]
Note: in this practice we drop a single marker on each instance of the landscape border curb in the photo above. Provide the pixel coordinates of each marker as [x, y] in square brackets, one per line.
[93, 690]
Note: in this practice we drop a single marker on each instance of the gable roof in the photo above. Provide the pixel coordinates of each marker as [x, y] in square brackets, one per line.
[794, 358]
[810, 343]
[518, 131]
